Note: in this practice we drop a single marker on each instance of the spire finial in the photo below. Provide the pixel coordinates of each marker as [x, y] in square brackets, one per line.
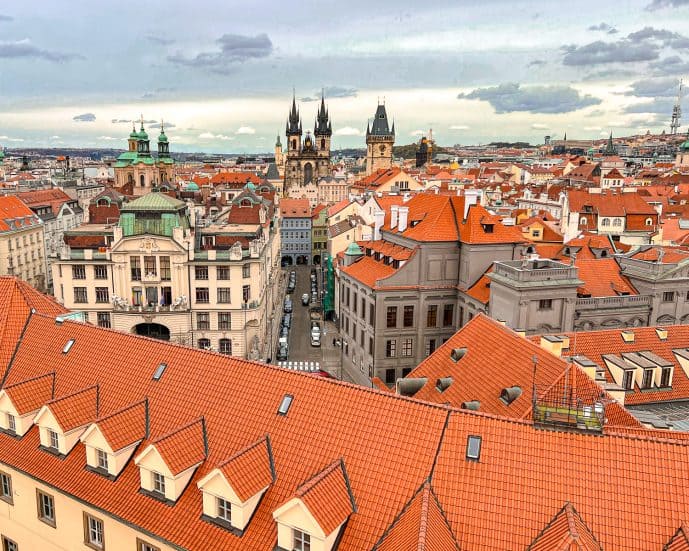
[162, 125]
[142, 121]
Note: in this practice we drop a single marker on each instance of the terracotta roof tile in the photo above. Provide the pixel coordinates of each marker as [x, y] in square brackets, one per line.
[250, 470]
[566, 532]
[14, 214]
[75, 410]
[184, 447]
[124, 427]
[368, 271]
[295, 208]
[32, 395]
[680, 540]
[328, 496]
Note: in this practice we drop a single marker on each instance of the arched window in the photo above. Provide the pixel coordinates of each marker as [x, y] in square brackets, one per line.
[583, 221]
[142, 181]
[308, 173]
[606, 222]
[225, 346]
[294, 143]
[205, 344]
[617, 222]
[649, 221]
[322, 143]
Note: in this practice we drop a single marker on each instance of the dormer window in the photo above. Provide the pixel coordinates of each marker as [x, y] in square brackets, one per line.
[53, 439]
[11, 423]
[224, 509]
[302, 540]
[158, 483]
[102, 459]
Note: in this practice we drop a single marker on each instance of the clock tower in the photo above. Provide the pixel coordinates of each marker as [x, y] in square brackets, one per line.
[379, 141]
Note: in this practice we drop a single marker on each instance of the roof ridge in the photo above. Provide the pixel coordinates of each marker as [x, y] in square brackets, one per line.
[143, 402]
[75, 393]
[32, 379]
[306, 486]
[244, 450]
[176, 430]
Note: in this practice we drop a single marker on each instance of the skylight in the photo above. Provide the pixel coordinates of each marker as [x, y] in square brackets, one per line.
[473, 447]
[159, 371]
[68, 346]
[285, 404]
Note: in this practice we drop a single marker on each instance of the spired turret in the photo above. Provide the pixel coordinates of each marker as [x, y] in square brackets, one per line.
[323, 126]
[143, 146]
[163, 144]
[379, 141]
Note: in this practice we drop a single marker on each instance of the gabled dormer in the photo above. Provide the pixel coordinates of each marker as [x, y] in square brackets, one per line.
[20, 402]
[679, 540]
[233, 490]
[111, 440]
[63, 420]
[317, 512]
[566, 530]
[168, 462]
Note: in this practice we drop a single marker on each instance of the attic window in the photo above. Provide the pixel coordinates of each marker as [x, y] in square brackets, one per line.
[68, 346]
[159, 371]
[473, 448]
[285, 404]
[488, 228]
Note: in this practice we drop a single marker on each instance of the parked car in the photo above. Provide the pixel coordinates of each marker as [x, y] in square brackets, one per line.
[287, 308]
[287, 320]
[283, 352]
[315, 339]
[314, 296]
[305, 299]
[284, 332]
[315, 328]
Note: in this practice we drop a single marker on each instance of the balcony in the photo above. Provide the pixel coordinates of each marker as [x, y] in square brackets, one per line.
[534, 270]
[604, 303]
[150, 278]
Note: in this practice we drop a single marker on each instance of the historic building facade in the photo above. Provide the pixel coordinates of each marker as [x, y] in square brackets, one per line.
[306, 160]
[137, 172]
[380, 138]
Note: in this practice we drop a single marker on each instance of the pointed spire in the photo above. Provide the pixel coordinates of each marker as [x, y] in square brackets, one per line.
[142, 122]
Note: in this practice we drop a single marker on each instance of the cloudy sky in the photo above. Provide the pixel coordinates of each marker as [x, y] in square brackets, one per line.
[221, 72]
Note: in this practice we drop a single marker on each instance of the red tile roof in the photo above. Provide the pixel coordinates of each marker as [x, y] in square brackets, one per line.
[12, 209]
[126, 426]
[602, 278]
[295, 208]
[250, 470]
[31, 395]
[328, 497]
[75, 410]
[609, 203]
[54, 198]
[566, 532]
[481, 289]
[669, 255]
[184, 447]
[337, 207]
[680, 540]
[377, 178]
[368, 271]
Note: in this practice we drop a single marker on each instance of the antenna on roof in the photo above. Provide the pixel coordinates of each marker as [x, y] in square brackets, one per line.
[534, 359]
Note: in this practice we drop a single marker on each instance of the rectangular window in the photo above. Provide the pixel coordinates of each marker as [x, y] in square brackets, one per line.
[46, 508]
[224, 321]
[628, 380]
[370, 345]
[408, 316]
[102, 295]
[102, 459]
[246, 293]
[668, 296]
[80, 295]
[5, 487]
[165, 273]
[93, 531]
[201, 272]
[202, 296]
[78, 271]
[203, 321]
[665, 377]
[225, 346]
[224, 510]
[9, 545]
[430, 347]
[100, 272]
[150, 266]
[246, 271]
[11, 423]
[391, 317]
[372, 314]
[390, 348]
[448, 315]
[223, 295]
[158, 483]
[302, 541]
[222, 273]
[473, 448]
[141, 545]
[432, 315]
[648, 378]
[135, 266]
[407, 347]
[103, 319]
[137, 296]
[390, 375]
[545, 304]
[354, 302]
[54, 439]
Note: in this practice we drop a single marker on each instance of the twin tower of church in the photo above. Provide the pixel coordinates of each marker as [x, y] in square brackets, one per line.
[308, 158]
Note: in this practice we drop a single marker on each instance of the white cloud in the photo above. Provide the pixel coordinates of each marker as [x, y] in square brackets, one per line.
[593, 128]
[55, 137]
[460, 127]
[8, 139]
[540, 126]
[245, 130]
[348, 131]
[211, 136]
[417, 133]
[108, 138]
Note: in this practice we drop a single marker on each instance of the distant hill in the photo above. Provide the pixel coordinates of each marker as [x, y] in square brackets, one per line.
[409, 151]
[511, 145]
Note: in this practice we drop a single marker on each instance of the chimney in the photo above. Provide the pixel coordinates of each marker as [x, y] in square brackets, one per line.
[378, 221]
[393, 216]
[552, 344]
[470, 198]
[403, 215]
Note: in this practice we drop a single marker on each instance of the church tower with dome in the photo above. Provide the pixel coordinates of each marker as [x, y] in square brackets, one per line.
[308, 159]
[137, 172]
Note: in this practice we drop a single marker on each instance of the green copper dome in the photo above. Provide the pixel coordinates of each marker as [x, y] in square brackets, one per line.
[142, 135]
[250, 187]
[685, 145]
[162, 138]
[192, 186]
[354, 250]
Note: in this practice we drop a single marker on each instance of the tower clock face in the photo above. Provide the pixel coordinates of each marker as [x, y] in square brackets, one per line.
[382, 149]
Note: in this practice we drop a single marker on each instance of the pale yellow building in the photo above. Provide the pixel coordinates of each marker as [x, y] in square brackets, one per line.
[22, 243]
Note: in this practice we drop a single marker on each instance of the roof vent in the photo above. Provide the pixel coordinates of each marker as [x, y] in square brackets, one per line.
[285, 404]
[59, 320]
[443, 383]
[473, 405]
[68, 346]
[473, 448]
[510, 394]
[457, 354]
[662, 333]
[159, 371]
[410, 386]
[628, 335]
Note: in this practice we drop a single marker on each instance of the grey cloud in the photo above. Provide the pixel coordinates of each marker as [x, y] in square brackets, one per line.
[24, 48]
[234, 48]
[160, 40]
[659, 4]
[157, 92]
[623, 51]
[654, 88]
[5, 18]
[167, 125]
[537, 63]
[332, 92]
[667, 38]
[659, 106]
[609, 73]
[674, 65]
[308, 99]
[84, 117]
[604, 27]
[120, 121]
[510, 97]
